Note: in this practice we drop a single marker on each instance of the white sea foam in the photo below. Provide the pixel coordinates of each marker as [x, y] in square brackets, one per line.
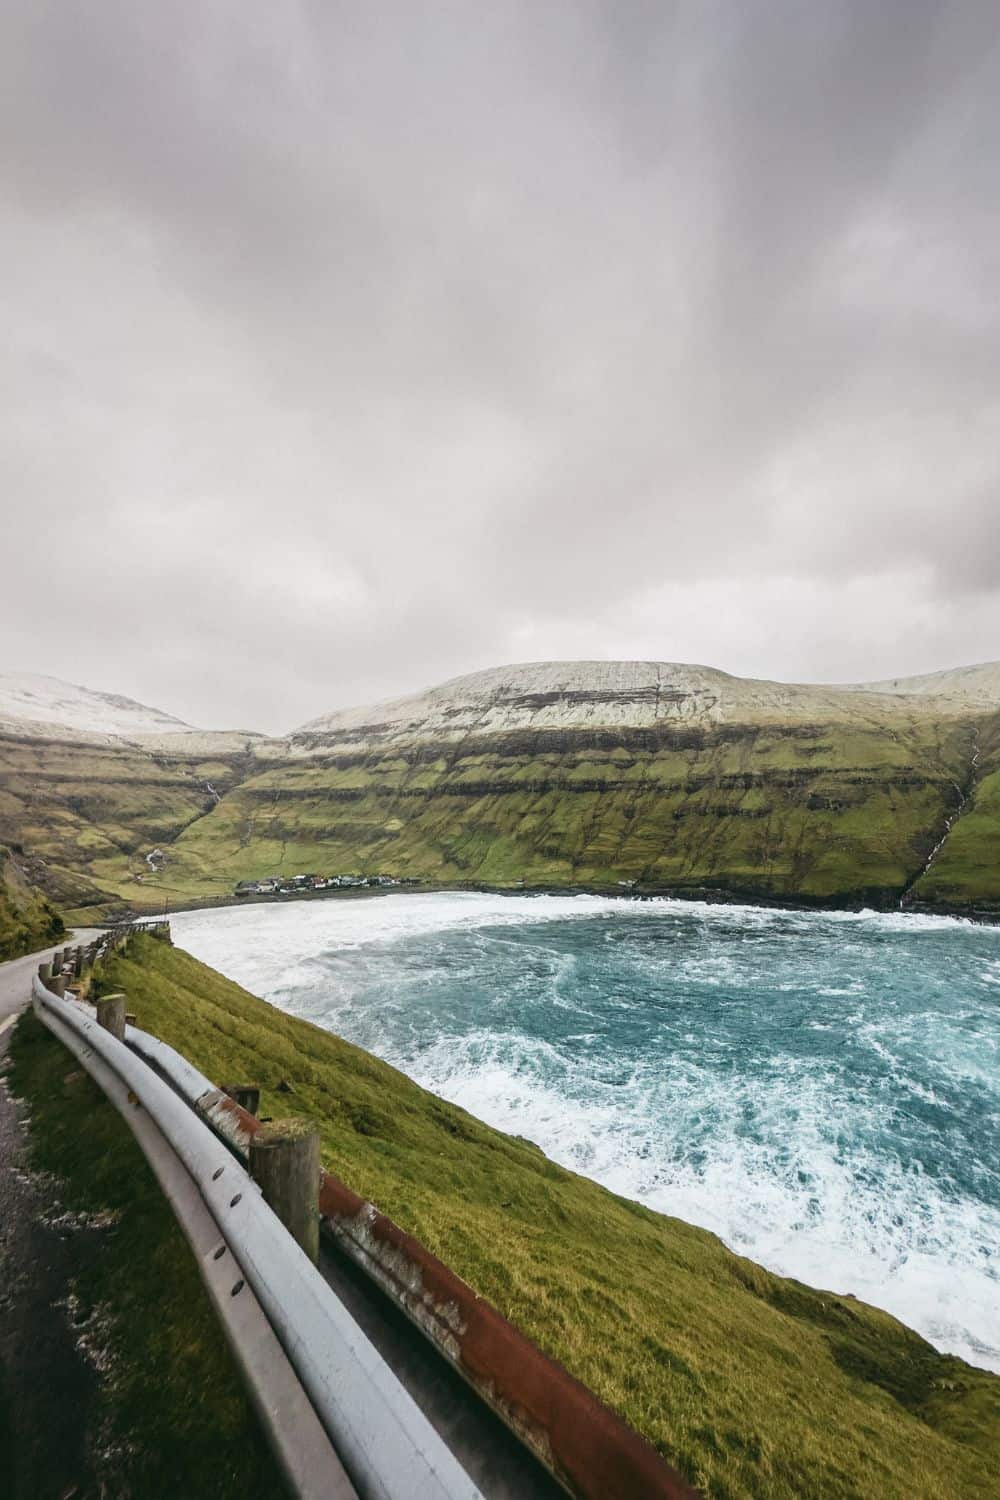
[398, 916]
[863, 1225]
[813, 1168]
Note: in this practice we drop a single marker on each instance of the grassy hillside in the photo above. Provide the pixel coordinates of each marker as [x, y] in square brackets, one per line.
[847, 806]
[81, 806]
[967, 867]
[753, 1385]
[827, 813]
[27, 920]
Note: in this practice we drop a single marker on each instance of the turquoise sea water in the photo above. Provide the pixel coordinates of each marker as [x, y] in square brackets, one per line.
[821, 1090]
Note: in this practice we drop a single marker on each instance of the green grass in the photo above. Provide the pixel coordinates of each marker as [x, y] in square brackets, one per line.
[27, 920]
[836, 812]
[172, 1417]
[753, 1385]
[968, 866]
[93, 811]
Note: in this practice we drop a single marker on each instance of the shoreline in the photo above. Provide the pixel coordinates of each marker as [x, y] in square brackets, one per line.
[718, 930]
[716, 896]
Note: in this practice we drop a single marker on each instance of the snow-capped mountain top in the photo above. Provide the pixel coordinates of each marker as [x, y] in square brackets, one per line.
[637, 694]
[554, 695]
[972, 687]
[47, 700]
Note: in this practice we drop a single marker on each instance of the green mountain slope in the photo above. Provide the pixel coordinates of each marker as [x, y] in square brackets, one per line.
[966, 868]
[829, 812]
[753, 1385]
[552, 774]
[84, 803]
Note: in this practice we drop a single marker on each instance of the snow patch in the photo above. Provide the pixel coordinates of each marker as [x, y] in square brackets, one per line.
[48, 700]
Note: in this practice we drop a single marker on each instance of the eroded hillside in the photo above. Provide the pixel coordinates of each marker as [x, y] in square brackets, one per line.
[92, 810]
[551, 774]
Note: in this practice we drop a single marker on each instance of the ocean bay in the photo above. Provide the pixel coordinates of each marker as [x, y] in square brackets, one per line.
[818, 1088]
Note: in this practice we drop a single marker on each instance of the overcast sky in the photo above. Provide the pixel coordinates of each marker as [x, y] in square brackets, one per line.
[352, 346]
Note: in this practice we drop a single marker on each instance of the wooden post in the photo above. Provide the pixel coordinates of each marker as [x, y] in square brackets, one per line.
[45, 972]
[111, 1015]
[284, 1160]
[78, 961]
[57, 984]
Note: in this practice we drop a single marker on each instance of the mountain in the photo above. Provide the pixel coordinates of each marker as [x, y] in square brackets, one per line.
[676, 777]
[575, 696]
[91, 782]
[974, 688]
[29, 699]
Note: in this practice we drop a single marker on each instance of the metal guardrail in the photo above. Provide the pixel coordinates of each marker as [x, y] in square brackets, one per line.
[303, 1450]
[387, 1446]
[586, 1447]
[583, 1445]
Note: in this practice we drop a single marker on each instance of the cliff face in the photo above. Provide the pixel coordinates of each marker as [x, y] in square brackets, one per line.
[555, 773]
[818, 812]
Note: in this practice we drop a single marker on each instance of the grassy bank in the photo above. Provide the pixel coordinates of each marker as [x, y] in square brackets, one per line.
[171, 1415]
[753, 1385]
[27, 920]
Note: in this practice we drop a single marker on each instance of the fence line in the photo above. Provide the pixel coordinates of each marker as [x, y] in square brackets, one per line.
[383, 1440]
[586, 1447]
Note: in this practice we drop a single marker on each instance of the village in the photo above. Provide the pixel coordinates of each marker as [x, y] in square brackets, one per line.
[297, 885]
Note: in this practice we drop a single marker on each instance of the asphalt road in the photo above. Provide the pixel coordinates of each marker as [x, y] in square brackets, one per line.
[15, 974]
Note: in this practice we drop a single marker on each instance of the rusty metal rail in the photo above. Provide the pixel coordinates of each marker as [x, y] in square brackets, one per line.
[304, 1452]
[581, 1443]
[589, 1450]
[382, 1439]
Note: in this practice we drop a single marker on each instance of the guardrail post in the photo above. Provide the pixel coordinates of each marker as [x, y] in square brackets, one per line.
[57, 984]
[111, 1015]
[284, 1161]
[45, 972]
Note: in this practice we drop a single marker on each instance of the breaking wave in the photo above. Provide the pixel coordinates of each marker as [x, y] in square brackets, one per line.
[822, 1090]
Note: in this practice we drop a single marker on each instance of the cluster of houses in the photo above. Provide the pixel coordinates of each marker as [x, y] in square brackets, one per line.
[295, 885]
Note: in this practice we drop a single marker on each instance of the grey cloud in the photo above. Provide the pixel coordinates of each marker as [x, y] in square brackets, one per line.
[351, 347]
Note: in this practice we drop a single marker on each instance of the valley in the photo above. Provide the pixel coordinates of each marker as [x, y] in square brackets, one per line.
[569, 775]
